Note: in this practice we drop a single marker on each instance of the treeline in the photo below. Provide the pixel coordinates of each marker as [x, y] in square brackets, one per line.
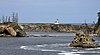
[13, 18]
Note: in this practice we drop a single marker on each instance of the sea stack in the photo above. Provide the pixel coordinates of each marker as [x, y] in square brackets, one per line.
[84, 41]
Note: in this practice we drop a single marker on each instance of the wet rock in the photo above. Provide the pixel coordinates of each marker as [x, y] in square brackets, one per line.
[12, 29]
[19, 31]
[84, 41]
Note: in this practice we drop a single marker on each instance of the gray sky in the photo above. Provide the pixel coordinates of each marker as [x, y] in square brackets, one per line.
[47, 11]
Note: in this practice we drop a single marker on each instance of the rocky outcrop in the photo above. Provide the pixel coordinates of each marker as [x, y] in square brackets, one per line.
[55, 28]
[97, 30]
[50, 27]
[84, 41]
[11, 29]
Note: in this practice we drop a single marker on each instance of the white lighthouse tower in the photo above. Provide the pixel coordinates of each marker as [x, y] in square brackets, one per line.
[56, 22]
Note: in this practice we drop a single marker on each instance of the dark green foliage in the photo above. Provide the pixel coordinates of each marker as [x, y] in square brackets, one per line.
[98, 23]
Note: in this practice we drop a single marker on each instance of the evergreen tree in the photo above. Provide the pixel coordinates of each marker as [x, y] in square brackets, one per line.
[16, 18]
[9, 19]
[13, 17]
[3, 19]
[98, 22]
[6, 20]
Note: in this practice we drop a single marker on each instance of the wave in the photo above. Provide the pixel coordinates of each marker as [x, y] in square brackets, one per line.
[46, 50]
[55, 48]
[93, 48]
[43, 46]
[87, 52]
[68, 53]
[51, 45]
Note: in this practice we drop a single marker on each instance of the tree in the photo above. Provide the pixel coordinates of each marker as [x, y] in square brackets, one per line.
[3, 19]
[98, 22]
[9, 19]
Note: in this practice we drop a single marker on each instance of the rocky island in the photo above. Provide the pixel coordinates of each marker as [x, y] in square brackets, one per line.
[84, 41]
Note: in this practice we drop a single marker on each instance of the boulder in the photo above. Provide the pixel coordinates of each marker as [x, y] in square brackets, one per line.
[2, 27]
[11, 31]
[92, 45]
[84, 41]
[19, 31]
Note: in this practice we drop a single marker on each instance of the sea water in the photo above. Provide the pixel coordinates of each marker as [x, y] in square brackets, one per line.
[44, 46]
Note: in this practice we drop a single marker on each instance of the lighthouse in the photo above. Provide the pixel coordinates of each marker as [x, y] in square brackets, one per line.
[57, 21]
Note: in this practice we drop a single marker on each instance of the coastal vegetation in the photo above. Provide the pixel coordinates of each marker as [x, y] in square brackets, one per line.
[10, 27]
[8, 24]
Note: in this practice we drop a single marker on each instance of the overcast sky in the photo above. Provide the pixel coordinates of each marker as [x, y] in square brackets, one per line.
[47, 11]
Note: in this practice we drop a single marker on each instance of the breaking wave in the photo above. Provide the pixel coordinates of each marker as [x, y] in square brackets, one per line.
[55, 48]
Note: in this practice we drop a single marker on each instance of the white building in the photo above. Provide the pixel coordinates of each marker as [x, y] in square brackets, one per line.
[56, 22]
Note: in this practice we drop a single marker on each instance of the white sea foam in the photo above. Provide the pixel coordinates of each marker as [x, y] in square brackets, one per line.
[48, 50]
[93, 48]
[51, 45]
[23, 47]
[68, 53]
[44, 45]
[62, 52]
[74, 50]
[97, 41]
[88, 52]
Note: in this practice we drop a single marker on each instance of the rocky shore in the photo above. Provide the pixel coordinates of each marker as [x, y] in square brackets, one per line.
[57, 28]
[14, 29]
[11, 29]
[50, 27]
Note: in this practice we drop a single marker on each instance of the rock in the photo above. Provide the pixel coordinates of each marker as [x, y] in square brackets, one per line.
[84, 41]
[89, 45]
[83, 45]
[2, 27]
[11, 31]
[19, 31]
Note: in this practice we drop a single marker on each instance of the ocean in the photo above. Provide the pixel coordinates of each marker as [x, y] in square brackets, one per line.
[44, 46]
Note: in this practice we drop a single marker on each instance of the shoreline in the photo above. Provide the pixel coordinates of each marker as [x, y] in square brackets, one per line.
[51, 34]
